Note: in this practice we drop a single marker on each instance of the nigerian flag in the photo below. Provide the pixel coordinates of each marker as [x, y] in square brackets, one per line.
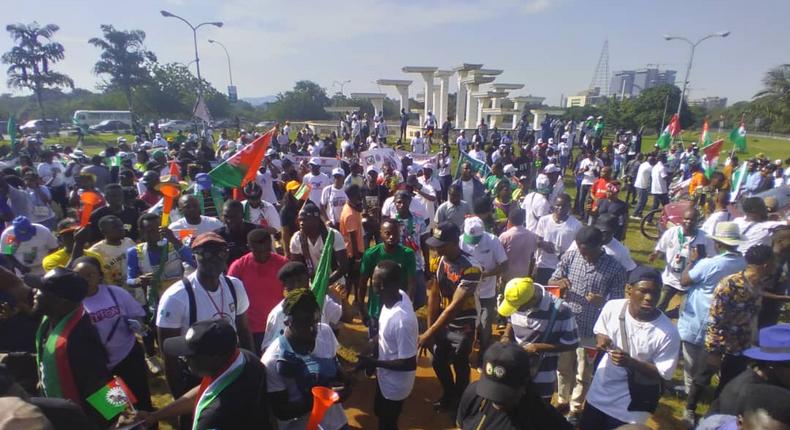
[323, 271]
[704, 138]
[670, 131]
[738, 137]
[478, 166]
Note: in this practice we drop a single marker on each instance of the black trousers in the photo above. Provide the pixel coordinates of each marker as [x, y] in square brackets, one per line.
[452, 348]
[594, 419]
[134, 373]
[387, 411]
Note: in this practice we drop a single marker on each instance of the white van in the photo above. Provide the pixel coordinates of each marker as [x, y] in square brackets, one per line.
[87, 118]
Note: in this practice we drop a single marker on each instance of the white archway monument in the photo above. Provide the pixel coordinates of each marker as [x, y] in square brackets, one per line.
[472, 83]
[520, 102]
[540, 115]
[427, 74]
[402, 86]
[377, 99]
[462, 72]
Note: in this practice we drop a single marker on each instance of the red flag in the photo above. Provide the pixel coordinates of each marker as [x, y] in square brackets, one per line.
[674, 126]
[240, 169]
[175, 172]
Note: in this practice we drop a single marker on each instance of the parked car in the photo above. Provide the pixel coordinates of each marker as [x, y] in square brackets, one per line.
[175, 125]
[43, 125]
[264, 125]
[110, 125]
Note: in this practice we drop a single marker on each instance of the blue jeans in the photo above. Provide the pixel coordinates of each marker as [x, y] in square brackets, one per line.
[641, 195]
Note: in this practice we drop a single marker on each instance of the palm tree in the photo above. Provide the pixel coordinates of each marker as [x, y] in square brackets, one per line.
[30, 60]
[773, 102]
[124, 59]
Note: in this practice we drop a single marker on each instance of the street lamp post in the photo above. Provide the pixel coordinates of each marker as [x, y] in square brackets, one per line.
[194, 28]
[232, 94]
[691, 58]
[341, 84]
[230, 72]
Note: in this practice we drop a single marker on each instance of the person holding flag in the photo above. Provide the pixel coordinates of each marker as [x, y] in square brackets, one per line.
[738, 137]
[671, 131]
[231, 393]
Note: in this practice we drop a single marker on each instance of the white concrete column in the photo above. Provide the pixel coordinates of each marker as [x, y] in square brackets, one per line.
[428, 78]
[460, 102]
[378, 105]
[402, 86]
[471, 105]
[516, 116]
[441, 101]
[482, 103]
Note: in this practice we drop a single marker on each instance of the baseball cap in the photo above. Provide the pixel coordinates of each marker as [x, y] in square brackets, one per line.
[67, 225]
[209, 337]
[23, 228]
[518, 291]
[315, 161]
[337, 171]
[292, 186]
[551, 168]
[206, 239]
[150, 177]
[509, 170]
[542, 184]
[203, 181]
[473, 230]
[371, 169]
[309, 209]
[505, 369]
[64, 283]
[443, 233]
[644, 273]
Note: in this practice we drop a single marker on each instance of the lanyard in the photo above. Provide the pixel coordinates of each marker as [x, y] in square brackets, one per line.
[220, 310]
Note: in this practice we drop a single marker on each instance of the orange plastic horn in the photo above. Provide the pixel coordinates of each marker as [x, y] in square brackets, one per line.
[170, 192]
[323, 399]
[89, 200]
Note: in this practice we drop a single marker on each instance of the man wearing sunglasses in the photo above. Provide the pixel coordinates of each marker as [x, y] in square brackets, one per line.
[206, 294]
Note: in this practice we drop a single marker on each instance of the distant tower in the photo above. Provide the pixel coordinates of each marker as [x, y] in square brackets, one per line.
[600, 78]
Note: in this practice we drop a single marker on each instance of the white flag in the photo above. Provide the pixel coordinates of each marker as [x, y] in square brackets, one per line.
[201, 110]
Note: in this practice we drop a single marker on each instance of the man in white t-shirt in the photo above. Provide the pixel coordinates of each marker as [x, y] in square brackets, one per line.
[642, 185]
[193, 223]
[333, 198]
[396, 361]
[310, 239]
[649, 345]
[304, 356]
[659, 182]
[265, 179]
[675, 245]
[556, 233]
[260, 212]
[463, 142]
[418, 145]
[589, 168]
[755, 227]
[316, 179]
[26, 244]
[489, 254]
[206, 294]
[536, 204]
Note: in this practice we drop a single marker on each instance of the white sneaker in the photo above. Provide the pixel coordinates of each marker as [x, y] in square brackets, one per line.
[154, 365]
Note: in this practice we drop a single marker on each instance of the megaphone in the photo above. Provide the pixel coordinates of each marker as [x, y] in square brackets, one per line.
[89, 200]
[170, 192]
[323, 399]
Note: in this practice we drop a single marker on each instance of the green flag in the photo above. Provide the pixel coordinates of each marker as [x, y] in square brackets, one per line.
[112, 399]
[320, 283]
[477, 166]
[12, 132]
[738, 137]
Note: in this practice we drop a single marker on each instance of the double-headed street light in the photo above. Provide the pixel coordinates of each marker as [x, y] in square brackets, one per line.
[691, 57]
[194, 28]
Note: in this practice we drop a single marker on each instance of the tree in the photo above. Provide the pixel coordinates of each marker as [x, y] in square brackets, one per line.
[124, 59]
[30, 60]
[772, 104]
[306, 101]
[649, 107]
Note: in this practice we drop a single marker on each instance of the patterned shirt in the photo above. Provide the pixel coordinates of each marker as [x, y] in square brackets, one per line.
[733, 315]
[606, 277]
[461, 273]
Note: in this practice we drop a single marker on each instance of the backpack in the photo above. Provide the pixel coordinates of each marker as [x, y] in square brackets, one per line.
[191, 295]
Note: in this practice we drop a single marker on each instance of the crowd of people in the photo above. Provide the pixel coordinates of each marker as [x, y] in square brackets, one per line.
[528, 301]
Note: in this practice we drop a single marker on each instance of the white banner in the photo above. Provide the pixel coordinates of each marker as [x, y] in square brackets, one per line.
[377, 158]
[327, 163]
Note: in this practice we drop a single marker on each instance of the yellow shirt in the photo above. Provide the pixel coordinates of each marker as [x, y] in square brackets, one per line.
[60, 258]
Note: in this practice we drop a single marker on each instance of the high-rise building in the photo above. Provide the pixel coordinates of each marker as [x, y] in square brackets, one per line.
[630, 83]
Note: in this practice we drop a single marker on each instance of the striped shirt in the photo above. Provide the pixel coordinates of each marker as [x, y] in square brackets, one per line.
[530, 326]
[606, 277]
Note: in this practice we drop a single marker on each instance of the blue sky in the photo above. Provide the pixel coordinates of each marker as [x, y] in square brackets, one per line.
[552, 46]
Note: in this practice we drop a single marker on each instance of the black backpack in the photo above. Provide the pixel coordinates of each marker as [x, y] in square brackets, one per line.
[193, 304]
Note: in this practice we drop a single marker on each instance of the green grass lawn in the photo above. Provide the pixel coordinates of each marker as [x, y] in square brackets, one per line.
[671, 408]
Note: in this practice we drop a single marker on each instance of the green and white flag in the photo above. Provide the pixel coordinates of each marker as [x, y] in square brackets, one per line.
[738, 137]
[112, 399]
[478, 166]
[323, 270]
